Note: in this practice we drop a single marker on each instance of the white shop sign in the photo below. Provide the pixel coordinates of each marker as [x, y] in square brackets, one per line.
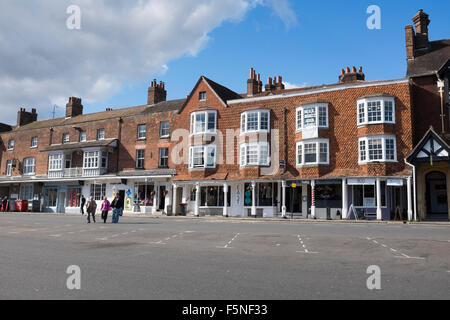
[359, 182]
[395, 183]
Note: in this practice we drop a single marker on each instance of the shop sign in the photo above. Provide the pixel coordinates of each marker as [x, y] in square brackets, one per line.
[395, 182]
[359, 182]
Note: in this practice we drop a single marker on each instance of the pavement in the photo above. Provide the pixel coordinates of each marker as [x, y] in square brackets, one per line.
[186, 258]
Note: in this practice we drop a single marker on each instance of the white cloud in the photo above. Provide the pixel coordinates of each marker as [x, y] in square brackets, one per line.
[43, 63]
[283, 10]
[288, 85]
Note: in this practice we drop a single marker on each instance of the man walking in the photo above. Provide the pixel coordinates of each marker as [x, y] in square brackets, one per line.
[91, 208]
[117, 206]
[83, 203]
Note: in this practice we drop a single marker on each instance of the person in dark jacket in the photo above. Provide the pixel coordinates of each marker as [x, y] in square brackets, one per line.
[83, 203]
[117, 205]
[91, 208]
[5, 204]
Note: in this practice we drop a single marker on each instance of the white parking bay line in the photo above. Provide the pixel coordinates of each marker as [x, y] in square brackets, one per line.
[227, 246]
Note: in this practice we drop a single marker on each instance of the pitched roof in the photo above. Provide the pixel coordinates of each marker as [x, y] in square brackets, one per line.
[223, 93]
[165, 106]
[431, 60]
[435, 149]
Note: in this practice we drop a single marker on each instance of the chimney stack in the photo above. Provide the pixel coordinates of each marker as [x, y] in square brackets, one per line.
[24, 117]
[156, 93]
[421, 21]
[74, 107]
[279, 84]
[351, 76]
[254, 84]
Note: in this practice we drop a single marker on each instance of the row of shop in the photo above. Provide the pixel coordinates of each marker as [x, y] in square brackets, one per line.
[371, 198]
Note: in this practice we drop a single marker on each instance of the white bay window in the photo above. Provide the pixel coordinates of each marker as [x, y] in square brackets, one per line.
[313, 152]
[377, 149]
[312, 116]
[255, 121]
[201, 157]
[255, 154]
[204, 122]
[376, 110]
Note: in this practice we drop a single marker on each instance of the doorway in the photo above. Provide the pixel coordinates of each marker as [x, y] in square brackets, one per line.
[294, 201]
[436, 193]
[61, 202]
[162, 197]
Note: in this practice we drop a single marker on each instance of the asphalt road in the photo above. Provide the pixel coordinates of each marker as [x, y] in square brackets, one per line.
[146, 258]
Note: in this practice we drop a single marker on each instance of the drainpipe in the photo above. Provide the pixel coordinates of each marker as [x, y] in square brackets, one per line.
[119, 135]
[414, 188]
[441, 86]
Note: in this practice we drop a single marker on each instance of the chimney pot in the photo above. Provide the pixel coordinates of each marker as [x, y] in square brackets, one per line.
[354, 69]
[156, 93]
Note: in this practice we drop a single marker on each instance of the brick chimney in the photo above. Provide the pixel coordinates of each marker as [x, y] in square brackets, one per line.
[74, 107]
[24, 117]
[156, 93]
[254, 84]
[410, 36]
[278, 83]
[421, 21]
[351, 76]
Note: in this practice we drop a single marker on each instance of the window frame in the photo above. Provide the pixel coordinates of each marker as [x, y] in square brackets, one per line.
[9, 168]
[140, 158]
[318, 145]
[83, 134]
[244, 149]
[300, 116]
[11, 144]
[92, 159]
[98, 134]
[161, 157]
[205, 152]
[206, 113]
[202, 96]
[384, 139]
[55, 162]
[140, 132]
[362, 111]
[26, 166]
[245, 122]
[34, 142]
[161, 135]
[66, 138]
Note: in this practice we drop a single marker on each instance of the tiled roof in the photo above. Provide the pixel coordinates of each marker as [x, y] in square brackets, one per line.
[166, 106]
[431, 60]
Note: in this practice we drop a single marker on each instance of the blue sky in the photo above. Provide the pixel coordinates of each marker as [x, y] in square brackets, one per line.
[324, 37]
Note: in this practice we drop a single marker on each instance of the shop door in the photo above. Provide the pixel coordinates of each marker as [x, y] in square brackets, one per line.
[437, 193]
[162, 197]
[294, 200]
[61, 208]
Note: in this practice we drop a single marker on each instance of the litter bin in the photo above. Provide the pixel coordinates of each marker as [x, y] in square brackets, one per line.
[183, 207]
[169, 210]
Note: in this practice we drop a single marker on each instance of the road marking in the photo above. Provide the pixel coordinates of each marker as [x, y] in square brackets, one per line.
[125, 233]
[71, 232]
[305, 250]
[375, 241]
[157, 242]
[55, 235]
[227, 246]
[402, 255]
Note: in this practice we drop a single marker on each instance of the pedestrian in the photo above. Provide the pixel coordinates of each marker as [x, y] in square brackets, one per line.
[106, 206]
[91, 208]
[5, 204]
[117, 206]
[83, 203]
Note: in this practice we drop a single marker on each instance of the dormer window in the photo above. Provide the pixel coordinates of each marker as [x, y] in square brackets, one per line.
[255, 121]
[204, 122]
[376, 110]
[312, 116]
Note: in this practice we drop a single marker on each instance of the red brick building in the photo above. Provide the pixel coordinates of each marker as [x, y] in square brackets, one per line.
[306, 152]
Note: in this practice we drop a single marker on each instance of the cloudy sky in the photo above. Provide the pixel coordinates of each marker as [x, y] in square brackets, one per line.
[122, 45]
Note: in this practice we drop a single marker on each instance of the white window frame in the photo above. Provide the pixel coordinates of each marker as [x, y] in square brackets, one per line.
[11, 144]
[383, 139]
[34, 142]
[161, 133]
[29, 166]
[9, 168]
[66, 138]
[163, 156]
[362, 114]
[202, 96]
[300, 116]
[142, 132]
[83, 136]
[55, 162]
[317, 143]
[244, 121]
[101, 134]
[262, 148]
[92, 159]
[27, 190]
[140, 158]
[206, 156]
[206, 114]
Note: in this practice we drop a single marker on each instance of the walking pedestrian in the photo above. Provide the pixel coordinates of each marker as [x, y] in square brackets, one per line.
[5, 204]
[83, 203]
[91, 208]
[106, 206]
[117, 206]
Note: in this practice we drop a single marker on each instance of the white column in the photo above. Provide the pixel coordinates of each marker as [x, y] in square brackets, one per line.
[184, 197]
[313, 198]
[155, 198]
[169, 198]
[197, 199]
[225, 199]
[279, 196]
[174, 200]
[379, 212]
[344, 199]
[410, 211]
[283, 208]
[253, 198]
